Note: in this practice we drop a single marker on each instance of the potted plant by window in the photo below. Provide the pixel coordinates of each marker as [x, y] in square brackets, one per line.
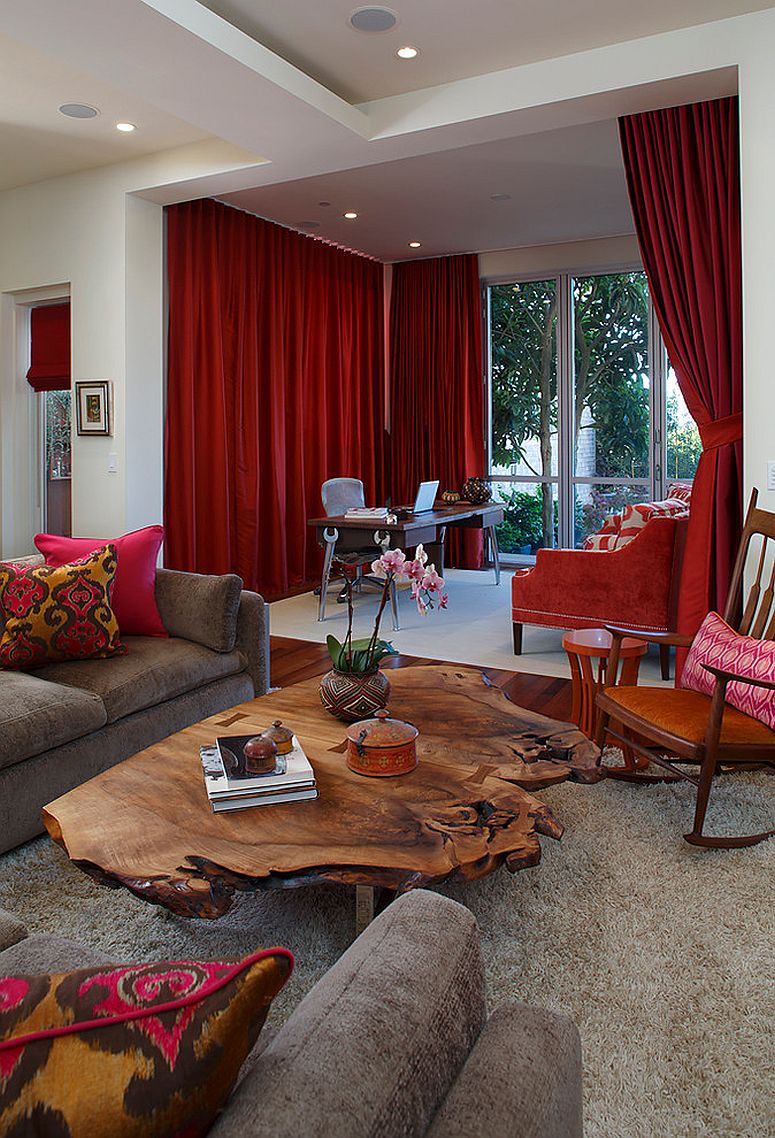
[355, 687]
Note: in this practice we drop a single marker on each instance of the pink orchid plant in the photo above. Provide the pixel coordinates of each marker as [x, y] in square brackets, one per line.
[427, 592]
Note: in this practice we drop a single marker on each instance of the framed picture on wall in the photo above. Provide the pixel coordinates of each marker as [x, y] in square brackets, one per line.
[93, 407]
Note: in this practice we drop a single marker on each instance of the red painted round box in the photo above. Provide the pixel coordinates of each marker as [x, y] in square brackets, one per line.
[382, 747]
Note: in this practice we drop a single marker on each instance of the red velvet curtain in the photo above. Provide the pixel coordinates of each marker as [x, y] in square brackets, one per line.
[50, 348]
[437, 399]
[275, 383]
[683, 175]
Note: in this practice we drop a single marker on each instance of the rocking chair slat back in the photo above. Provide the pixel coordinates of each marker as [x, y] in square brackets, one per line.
[758, 619]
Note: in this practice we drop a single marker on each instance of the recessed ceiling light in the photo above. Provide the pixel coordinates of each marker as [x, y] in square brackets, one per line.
[126, 127]
[324, 203]
[371, 19]
[407, 52]
[78, 111]
[414, 244]
[351, 215]
[500, 197]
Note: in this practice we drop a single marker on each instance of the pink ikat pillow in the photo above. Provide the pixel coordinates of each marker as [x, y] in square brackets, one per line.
[719, 645]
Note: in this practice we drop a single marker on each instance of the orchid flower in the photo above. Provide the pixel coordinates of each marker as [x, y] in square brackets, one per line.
[426, 589]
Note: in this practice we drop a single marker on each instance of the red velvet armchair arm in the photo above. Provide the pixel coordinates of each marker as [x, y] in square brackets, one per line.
[574, 588]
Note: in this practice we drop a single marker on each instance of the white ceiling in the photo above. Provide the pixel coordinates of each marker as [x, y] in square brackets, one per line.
[415, 165]
[37, 142]
[564, 185]
[456, 38]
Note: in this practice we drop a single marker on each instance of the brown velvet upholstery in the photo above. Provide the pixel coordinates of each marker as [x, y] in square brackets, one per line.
[685, 713]
[200, 607]
[522, 1079]
[38, 715]
[153, 670]
[378, 1047]
[11, 930]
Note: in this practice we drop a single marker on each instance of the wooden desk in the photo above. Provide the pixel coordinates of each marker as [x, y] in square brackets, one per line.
[417, 529]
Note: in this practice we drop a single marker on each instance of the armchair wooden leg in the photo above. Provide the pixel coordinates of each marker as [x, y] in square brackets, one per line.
[664, 660]
[516, 631]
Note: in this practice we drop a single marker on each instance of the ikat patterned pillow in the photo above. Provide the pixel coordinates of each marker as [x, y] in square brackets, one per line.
[718, 644]
[606, 537]
[59, 613]
[635, 518]
[141, 1051]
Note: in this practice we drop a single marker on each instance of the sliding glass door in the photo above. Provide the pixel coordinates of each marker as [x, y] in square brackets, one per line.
[584, 412]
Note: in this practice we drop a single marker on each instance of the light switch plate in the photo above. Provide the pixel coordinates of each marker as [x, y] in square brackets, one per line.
[112, 462]
[771, 475]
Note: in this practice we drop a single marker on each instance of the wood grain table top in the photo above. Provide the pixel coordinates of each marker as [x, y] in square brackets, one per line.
[467, 808]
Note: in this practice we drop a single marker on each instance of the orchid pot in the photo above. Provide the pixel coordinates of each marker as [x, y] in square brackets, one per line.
[356, 688]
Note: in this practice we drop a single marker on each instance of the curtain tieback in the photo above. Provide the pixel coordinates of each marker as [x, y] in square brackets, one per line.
[721, 432]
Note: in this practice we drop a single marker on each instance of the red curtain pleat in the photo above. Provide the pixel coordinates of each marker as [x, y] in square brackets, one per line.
[683, 175]
[275, 383]
[437, 400]
[50, 348]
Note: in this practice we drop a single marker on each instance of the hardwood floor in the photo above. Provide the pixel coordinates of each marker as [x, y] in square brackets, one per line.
[295, 660]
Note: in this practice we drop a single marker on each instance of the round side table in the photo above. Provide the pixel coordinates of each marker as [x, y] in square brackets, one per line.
[584, 645]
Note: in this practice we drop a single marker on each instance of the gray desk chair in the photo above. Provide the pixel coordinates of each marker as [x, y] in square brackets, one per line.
[340, 495]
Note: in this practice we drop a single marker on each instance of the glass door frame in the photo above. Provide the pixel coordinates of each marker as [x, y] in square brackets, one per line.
[566, 479]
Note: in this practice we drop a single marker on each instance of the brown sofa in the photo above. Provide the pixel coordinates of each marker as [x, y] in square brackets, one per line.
[64, 723]
[393, 1041]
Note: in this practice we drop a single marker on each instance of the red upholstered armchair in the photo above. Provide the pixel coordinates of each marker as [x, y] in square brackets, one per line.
[635, 585]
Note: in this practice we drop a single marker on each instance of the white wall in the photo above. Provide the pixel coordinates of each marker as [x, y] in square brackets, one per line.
[91, 230]
[757, 144]
[606, 254]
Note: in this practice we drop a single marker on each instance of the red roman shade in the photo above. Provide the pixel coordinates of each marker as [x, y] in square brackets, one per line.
[50, 348]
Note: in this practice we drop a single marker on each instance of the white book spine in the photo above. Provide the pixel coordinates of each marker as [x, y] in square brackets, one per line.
[221, 805]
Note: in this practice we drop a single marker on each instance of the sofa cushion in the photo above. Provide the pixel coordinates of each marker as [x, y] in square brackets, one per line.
[152, 671]
[38, 715]
[134, 598]
[139, 1049]
[523, 1077]
[61, 613]
[199, 607]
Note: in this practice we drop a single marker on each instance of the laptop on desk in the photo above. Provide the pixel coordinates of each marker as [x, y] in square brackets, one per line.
[423, 503]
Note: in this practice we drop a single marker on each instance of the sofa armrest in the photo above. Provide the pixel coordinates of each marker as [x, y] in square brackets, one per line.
[11, 930]
[373, 1048]
[253, 638]
[522, 1077]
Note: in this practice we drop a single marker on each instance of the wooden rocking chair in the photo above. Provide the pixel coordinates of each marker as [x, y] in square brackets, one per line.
[677, 726]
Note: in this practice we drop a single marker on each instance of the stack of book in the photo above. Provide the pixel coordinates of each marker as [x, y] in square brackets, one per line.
[368, 513]
[293, 779]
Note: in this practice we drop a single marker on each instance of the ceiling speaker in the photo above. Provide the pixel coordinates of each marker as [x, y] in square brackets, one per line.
[373, 19]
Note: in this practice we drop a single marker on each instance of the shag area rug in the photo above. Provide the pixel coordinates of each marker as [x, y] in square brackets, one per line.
[662, 953]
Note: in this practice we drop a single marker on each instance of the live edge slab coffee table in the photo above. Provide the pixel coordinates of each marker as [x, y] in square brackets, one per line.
[467, 808]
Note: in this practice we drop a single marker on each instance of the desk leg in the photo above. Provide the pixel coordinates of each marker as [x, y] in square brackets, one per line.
[494, 553]
[330, 536]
